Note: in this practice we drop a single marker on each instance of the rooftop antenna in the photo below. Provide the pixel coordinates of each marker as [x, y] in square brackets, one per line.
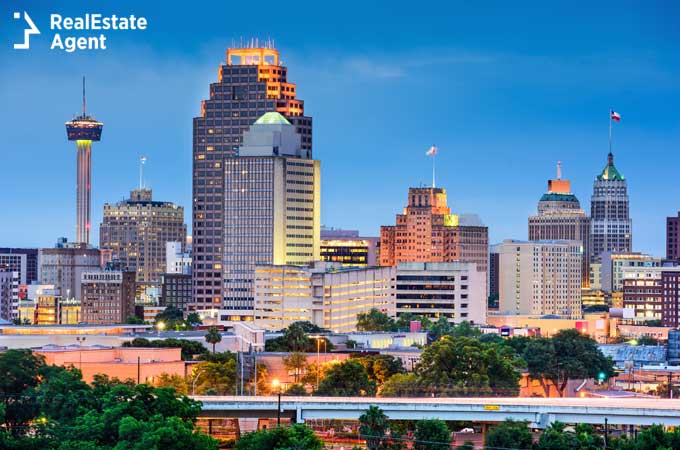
[559, 170]
[142, 160]
[84, 103]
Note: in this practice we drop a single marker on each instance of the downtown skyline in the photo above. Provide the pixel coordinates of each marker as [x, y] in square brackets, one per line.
[377, 106]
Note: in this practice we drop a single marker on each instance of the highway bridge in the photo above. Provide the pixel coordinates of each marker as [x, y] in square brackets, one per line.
[540, 412]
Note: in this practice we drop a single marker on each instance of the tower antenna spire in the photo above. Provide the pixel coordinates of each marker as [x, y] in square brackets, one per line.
[559, 170]
[142, 160]
[84, 102]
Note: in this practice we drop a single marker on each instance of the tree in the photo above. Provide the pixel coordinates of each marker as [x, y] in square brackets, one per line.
[647, 340]
[296, 390]
[401, 385]
[172, 317]
[161, 432]
[442, 327]
[567, 355]
[134, 320]
[432, 434]
[193, 320]
[467, 445]
[347, 378]
[509, 434]
[218, 378]
[381, 367]
[20, 370]
[373, 427]
[375, 320]
[466, 366]
[296, 437]
[404, 320]
[174, 381]
[295, 362]
[295, 339]
[555, 437]
[213, 337]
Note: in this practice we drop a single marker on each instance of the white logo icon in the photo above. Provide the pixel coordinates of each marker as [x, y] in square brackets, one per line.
[32, 29]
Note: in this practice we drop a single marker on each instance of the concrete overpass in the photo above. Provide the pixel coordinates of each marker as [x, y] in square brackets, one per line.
[538, 411]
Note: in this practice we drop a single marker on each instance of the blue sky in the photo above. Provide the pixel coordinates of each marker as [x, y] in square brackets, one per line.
[505, 89]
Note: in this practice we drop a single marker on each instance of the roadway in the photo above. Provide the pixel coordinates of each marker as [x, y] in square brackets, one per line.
[540, 412]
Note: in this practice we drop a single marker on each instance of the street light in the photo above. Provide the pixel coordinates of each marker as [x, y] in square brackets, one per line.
[277, 385]
[160, 326]
[193, 384]
[81, 340]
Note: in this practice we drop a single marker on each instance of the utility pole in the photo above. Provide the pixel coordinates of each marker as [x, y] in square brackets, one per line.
[606, 433]
[670, 384]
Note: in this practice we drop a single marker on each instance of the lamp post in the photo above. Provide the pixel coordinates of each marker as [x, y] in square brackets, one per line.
[80, 340]
[160, 326]
[277, 385]
[193, 383]
[318, 365]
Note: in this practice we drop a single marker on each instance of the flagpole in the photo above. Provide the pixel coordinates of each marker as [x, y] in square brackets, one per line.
[433, 157]
[610, 130]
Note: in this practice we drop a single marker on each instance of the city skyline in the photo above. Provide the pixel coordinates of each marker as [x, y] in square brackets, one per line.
[356, 143]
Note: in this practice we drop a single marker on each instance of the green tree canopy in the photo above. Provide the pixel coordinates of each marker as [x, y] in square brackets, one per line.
[509, 434]
[401, 385]
[432, 434]
[466, 366]
[375, 320]
[381, 367]
[347, 378]
[567, 355]
[296, 339]
[295, 437]
[373, 427]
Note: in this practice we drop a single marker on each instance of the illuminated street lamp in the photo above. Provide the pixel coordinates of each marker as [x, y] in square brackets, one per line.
[160, 326]
[277, 385]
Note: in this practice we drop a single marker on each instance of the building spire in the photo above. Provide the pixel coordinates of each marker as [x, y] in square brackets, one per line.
[610, 159]
[84, 102]
[559, 170]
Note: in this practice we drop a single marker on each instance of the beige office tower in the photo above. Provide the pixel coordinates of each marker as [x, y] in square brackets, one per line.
[325, 294]
[271, 208]
[540, 277]
[136, 232]
[560, 217]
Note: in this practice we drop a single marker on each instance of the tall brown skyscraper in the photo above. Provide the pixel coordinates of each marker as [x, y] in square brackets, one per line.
[427, 232]
[250, 83]
[136, 231]
[560, 217]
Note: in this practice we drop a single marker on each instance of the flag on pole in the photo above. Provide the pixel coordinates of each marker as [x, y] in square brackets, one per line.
[432, 151]
[616, 116]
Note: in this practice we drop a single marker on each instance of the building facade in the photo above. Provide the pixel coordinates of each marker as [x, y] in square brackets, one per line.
[7, 279]
[613, 266]
[108, 297]
[643, 291]
[250, 83]
[325, 294]
[22, 260]
[560, 217]
[63, 267]
[136, 232]
[611, 226]
[428, 232]
[672, 238]
[453, 290]
[540, 278]
[178, 257]
[348, 248]
[670, 298]
[176, 290]
[271, 209]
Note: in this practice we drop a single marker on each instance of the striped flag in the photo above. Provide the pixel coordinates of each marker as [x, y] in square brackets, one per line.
[616, 116]
[432, 151]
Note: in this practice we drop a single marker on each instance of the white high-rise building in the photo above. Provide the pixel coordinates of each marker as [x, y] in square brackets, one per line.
[455, 290]
[178, 258]
[540, 277]
[64, 267]
[271, 209]
[326, 294]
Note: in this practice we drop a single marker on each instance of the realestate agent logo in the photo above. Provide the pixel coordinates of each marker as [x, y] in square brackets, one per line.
[32, 29]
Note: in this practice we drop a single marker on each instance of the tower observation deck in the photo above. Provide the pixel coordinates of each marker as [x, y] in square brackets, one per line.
[84, 130]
